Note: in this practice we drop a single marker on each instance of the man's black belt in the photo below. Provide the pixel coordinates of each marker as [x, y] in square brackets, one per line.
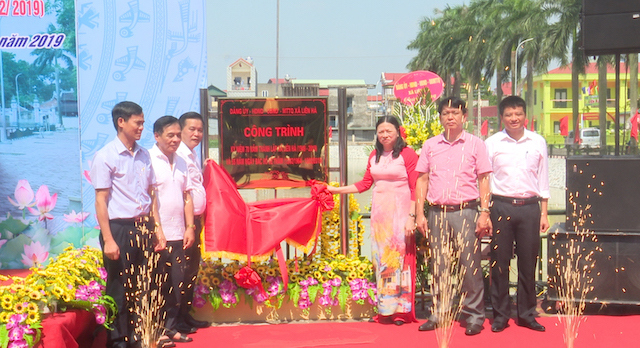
[516, 201]
[455, 207]
[137, 219]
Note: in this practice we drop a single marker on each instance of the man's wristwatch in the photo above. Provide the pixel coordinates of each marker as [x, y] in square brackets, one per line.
[482, 210]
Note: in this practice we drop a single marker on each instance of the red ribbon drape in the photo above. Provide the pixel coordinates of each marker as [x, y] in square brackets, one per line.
[238, 230]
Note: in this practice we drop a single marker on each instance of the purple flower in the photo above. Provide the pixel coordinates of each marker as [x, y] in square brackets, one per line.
[18, 344]
[15, 320]
[355, 284]
[304, 304]
[199, 302]
[274, 286]
[228, 286]
[336, 281]
[228, 297]
[325, 301]
[103, 273]
[100, 318]
[16, 333]
[259, 297]
[201, 290]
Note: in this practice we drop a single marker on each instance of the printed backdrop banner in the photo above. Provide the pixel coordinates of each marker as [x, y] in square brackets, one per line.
[63, 65]
[149, 52]
[40, 188]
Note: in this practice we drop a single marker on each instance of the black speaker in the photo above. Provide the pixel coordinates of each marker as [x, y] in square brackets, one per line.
[613, 270]
[603, 194]
[599, 7]
[610, 27]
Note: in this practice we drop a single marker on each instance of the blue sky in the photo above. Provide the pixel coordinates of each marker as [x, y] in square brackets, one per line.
[319, 39]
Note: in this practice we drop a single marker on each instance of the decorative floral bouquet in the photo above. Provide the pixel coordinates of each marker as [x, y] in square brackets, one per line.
[75, 279]
[420, 120]
[326, 277]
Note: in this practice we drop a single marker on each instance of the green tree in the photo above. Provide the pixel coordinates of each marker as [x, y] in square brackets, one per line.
[65, 19]
[562, 41]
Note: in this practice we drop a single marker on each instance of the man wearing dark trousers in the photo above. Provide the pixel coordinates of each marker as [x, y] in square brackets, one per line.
[125, 209]
[175, 207]
[520, 192]
[192, 126]
[454, 179]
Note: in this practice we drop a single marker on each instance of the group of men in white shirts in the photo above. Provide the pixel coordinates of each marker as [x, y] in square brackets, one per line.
[151, 200]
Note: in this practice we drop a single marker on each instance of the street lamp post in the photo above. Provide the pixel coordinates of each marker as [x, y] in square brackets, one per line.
[516, 71]
[18, 100]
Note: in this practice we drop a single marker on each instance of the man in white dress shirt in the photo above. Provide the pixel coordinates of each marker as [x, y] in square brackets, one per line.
[126, 209]
[175, 208]
[520, 193]
[192, 126]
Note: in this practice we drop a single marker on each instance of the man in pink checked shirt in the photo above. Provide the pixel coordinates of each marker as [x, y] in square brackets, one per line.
[520, 192]
[454, 176]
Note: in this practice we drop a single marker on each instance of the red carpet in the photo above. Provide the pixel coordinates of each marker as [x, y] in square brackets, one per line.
[596, 331]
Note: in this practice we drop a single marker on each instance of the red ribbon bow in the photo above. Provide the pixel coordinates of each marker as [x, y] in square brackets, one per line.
[320, 193]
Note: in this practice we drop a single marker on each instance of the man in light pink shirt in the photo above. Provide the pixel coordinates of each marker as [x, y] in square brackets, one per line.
[520, 191]
[454, 176]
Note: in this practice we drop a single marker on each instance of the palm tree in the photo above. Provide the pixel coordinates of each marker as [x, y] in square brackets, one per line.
[48, 57]
[439, 48]
[562, 37]
[501, 39]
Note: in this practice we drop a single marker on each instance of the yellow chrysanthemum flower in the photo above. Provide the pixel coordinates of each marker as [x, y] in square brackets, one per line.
[32, 307]
[19, 307]
[33, 317]
[66, 297]
[57, 291]
[7, 305]
[6, 298]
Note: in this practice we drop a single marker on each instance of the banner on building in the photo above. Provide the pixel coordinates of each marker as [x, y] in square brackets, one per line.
[64, 65]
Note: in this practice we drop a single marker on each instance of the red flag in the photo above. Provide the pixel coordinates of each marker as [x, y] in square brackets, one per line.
[593, 85]
[533, 125]
[564, 126]
[634, 126]
[526, 123]
[484, 130]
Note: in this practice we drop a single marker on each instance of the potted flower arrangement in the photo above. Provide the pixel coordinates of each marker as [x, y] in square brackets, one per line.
[74, 279]
[326, 277]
